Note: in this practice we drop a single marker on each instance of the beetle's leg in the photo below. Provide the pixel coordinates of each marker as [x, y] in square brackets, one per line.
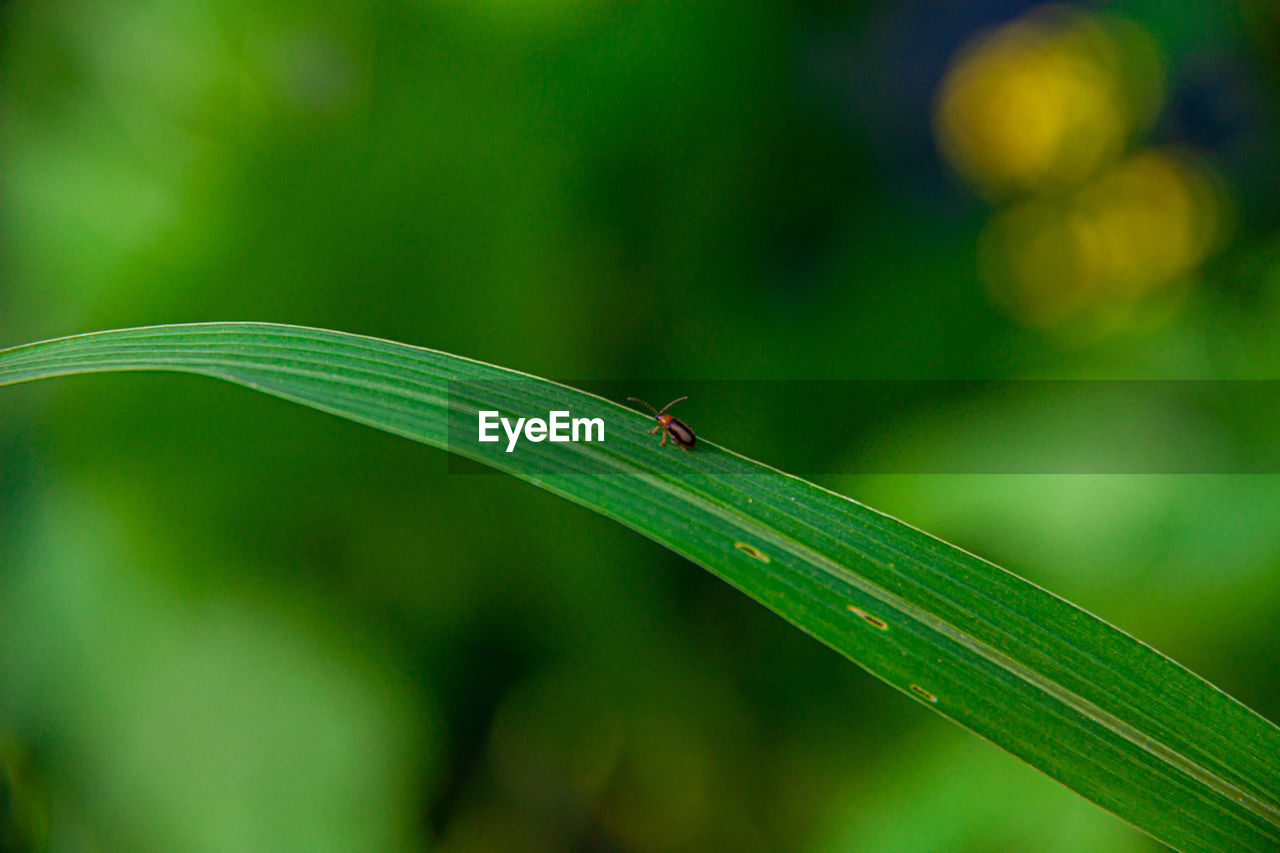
[655, 429]
[664, 439]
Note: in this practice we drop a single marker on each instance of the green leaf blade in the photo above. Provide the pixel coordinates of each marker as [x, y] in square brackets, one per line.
[1073, 696]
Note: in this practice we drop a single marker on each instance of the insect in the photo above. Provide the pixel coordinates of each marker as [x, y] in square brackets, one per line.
[678, 430]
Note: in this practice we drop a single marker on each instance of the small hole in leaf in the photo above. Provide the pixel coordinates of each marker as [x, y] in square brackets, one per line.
[874, 621]
[751, 550]
[924, 694]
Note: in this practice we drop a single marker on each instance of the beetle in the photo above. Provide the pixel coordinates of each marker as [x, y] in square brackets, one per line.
[678, 430]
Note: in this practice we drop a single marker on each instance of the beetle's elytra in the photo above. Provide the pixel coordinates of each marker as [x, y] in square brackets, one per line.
[677, 430]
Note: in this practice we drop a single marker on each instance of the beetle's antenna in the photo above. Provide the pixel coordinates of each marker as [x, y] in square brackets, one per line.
[650, 408]
[672, 403]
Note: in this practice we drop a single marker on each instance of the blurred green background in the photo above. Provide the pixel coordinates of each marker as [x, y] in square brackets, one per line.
[230, 623]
